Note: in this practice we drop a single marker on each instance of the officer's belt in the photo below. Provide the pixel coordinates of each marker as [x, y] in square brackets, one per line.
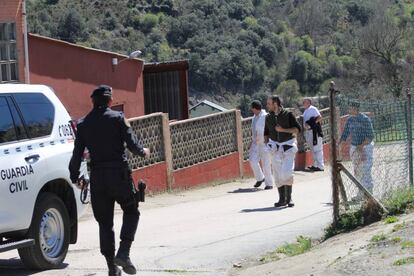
[113, 164]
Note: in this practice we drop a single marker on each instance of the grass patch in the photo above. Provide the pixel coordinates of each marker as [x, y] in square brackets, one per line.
[390, 219]
[378, 238]
[400, 201]
[396, 239]
[398, 227]
[407, 244]
[302, 245]
[404, 261]
[270, 257]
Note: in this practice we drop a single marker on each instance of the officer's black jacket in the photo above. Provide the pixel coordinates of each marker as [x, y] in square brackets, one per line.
[104, 132]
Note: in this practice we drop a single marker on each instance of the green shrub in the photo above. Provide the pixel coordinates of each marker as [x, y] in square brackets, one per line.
[378, 238]
[409, 260]
[396, 239]
[346, 222]
[390, 219]
[407, 244]
[302, 245]
[400, 201]
[398, 227]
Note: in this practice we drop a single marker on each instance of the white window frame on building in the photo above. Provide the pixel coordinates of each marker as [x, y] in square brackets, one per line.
[9, 68]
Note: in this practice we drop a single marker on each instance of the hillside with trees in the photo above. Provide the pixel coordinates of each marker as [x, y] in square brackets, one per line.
[243, 49]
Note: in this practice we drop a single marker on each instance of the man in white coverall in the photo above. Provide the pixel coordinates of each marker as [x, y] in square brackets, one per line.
[258, 150]
[313, 134]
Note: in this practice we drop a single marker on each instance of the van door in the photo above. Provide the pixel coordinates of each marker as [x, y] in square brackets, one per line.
[36, 114]
[15, 170]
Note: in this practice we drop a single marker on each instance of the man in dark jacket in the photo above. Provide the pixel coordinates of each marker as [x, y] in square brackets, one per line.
[104, 133]
[281, 128]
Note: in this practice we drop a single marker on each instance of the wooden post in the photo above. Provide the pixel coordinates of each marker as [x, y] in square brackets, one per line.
[410, 137]
[334, 154]
[239, 133]
[166, 134]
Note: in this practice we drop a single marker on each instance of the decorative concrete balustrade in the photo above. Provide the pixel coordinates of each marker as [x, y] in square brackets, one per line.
[201, 139]
[247, 136]
[202, 150]
[149, 131]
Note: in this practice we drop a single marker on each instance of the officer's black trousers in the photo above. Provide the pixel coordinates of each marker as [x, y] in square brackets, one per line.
[110, 185]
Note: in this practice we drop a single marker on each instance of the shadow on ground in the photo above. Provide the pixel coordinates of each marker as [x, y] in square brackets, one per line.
[16, 268]
[245, 190]
[265, 209]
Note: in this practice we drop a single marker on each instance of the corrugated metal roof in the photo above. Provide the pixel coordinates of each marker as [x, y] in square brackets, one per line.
[213, 105]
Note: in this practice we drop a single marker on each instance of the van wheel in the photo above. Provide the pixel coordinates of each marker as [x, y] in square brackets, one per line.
[51, 230]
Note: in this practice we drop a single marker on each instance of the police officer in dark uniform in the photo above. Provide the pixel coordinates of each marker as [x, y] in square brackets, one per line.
[104, 133]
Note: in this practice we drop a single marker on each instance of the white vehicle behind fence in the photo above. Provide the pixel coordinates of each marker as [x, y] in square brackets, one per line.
[39, 207]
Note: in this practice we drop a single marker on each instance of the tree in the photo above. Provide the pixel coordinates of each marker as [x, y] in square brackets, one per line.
[148, 22]
[308, 71]
[382, 39]
[358, 10]
[244, 106]
[268, 51]
[288, 90]
[72, 27]
[310, 18]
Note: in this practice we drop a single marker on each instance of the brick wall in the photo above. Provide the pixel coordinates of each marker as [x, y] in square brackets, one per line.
[11, 11]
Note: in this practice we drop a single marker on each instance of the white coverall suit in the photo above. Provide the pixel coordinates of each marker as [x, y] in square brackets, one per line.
[258, 151]
[317, 150]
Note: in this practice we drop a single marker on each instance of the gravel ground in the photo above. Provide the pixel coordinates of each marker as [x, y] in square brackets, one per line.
[353, 253]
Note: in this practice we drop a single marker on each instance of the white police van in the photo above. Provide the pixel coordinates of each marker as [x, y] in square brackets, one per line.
[39, 207]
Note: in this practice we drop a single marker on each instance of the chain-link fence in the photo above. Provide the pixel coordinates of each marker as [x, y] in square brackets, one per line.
[374, 153]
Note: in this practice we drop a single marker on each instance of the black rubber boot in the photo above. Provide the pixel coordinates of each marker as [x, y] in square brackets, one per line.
[258, 183]
[113, 270]
[122, 258]
[289, 200]
[282, 197]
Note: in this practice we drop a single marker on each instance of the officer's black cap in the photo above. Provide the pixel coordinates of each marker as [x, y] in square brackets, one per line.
[102, 90]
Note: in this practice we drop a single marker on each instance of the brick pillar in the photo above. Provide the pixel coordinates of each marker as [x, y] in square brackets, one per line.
[166, 134]
[239, 132]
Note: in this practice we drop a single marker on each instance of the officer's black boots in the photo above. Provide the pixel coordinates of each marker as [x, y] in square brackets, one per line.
[282, 197]
[289, 200]
[122, 258]
[113, 270]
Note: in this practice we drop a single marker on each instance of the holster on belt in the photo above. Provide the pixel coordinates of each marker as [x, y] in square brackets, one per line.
[139, 191]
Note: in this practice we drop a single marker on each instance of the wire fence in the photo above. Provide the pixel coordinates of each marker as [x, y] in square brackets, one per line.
[374, 153]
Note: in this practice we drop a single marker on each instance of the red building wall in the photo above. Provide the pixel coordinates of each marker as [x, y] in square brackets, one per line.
[11, 12]
[74, 71]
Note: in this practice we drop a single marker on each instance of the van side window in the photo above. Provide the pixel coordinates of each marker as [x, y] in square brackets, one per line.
[38, 113]
[20, 131]
[7, 130]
